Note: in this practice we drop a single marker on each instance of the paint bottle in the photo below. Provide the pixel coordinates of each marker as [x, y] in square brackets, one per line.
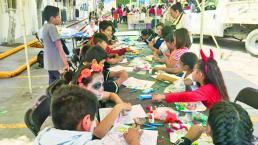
[151, 118]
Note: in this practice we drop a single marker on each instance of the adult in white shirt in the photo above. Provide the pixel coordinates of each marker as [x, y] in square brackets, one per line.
[91, 28]
[182, 20]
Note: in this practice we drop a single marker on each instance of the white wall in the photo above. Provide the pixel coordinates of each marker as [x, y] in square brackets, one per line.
[30, 16]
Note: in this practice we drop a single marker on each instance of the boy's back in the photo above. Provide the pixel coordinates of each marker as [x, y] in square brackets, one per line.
[52, 60]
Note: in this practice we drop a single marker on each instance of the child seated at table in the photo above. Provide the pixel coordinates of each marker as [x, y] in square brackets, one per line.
[90, 77]
[212, 87]
[187, 62]
[105, 28]
[73, 115]
[163, 49]
[101, 40]
[182, 42]
[113, 79]
[228, 124]
[156, 41]
[145, 34]
[167, 45]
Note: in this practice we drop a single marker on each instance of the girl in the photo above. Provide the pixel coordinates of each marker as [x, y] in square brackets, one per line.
[167, 35]
[228, 124]
[90, 77]
[155, 43]
[171, 59]
[212, 87]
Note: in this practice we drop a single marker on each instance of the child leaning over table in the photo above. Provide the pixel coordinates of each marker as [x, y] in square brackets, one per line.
[54, 57]
[101, 40]
[182, 42]
[212, 87]
[73, 114]
[113, 79]
[106, 27]
[187, 62]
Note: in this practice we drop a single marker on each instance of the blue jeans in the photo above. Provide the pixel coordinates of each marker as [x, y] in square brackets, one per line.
[53, 75]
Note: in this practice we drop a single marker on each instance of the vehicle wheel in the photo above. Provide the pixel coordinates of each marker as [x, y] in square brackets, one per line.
[251, 43]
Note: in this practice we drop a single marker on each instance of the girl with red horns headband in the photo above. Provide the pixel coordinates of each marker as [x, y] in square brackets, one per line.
[212, 87]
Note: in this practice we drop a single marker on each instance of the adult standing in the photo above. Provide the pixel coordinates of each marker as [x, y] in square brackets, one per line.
[120, 13]
[182, 20]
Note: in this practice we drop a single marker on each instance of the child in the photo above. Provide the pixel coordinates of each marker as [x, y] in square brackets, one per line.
[101, 40]
[187, 63]
[182, 43]
[54, 57]
[73, 114]
[167, 35]
[105, 28]
[99, 55]
[90, 77]
[156, 42]
[225, 118]
[145, 34]
[212, 87]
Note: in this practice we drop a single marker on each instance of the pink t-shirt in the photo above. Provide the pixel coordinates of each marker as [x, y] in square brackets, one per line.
[176, 54]
[159, 11]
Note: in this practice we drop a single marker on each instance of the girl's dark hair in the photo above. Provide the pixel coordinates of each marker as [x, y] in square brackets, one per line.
[167, 29]
[182, 38]
[95, 52]
[99, 37]
[50, 11]
[214, 76]
[160, 24]
[189, 59]
[230, 124]
[167, 34]
[103, 25]
[145, 32]
[70, 104]
[177, 7]
[83, 51]
[85, 81]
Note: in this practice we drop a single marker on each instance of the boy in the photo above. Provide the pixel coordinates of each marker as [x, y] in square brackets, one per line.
[73, 115]
[54, 57]
[106, 27]
[99, 54]
[101, 40]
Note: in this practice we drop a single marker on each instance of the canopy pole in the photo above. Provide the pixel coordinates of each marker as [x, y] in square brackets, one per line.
[202, 24]
[26, 47]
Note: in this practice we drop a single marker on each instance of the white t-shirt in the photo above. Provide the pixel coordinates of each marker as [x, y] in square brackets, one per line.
[163, 48]
[184, 22]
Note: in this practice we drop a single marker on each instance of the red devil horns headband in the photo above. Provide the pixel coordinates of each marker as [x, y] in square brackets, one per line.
[205, 59]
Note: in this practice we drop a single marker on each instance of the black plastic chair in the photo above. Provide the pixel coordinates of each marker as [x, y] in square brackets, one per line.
[54, 86]
[248, 96]
[37, 114]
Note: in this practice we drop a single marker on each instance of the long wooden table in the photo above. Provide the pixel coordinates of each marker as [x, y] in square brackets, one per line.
[159, 86]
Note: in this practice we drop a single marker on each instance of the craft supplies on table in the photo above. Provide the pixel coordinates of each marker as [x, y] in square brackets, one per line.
[136, 112]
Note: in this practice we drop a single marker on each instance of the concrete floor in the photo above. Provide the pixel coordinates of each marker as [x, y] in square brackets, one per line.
[239, 70]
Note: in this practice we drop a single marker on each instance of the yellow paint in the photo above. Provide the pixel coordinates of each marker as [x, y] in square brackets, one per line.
[8, 74]
[254, 119]
[12, 126]
[33, 42]
[38, 76]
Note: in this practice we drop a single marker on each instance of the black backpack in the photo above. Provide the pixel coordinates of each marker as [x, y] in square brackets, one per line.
[40, 59]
